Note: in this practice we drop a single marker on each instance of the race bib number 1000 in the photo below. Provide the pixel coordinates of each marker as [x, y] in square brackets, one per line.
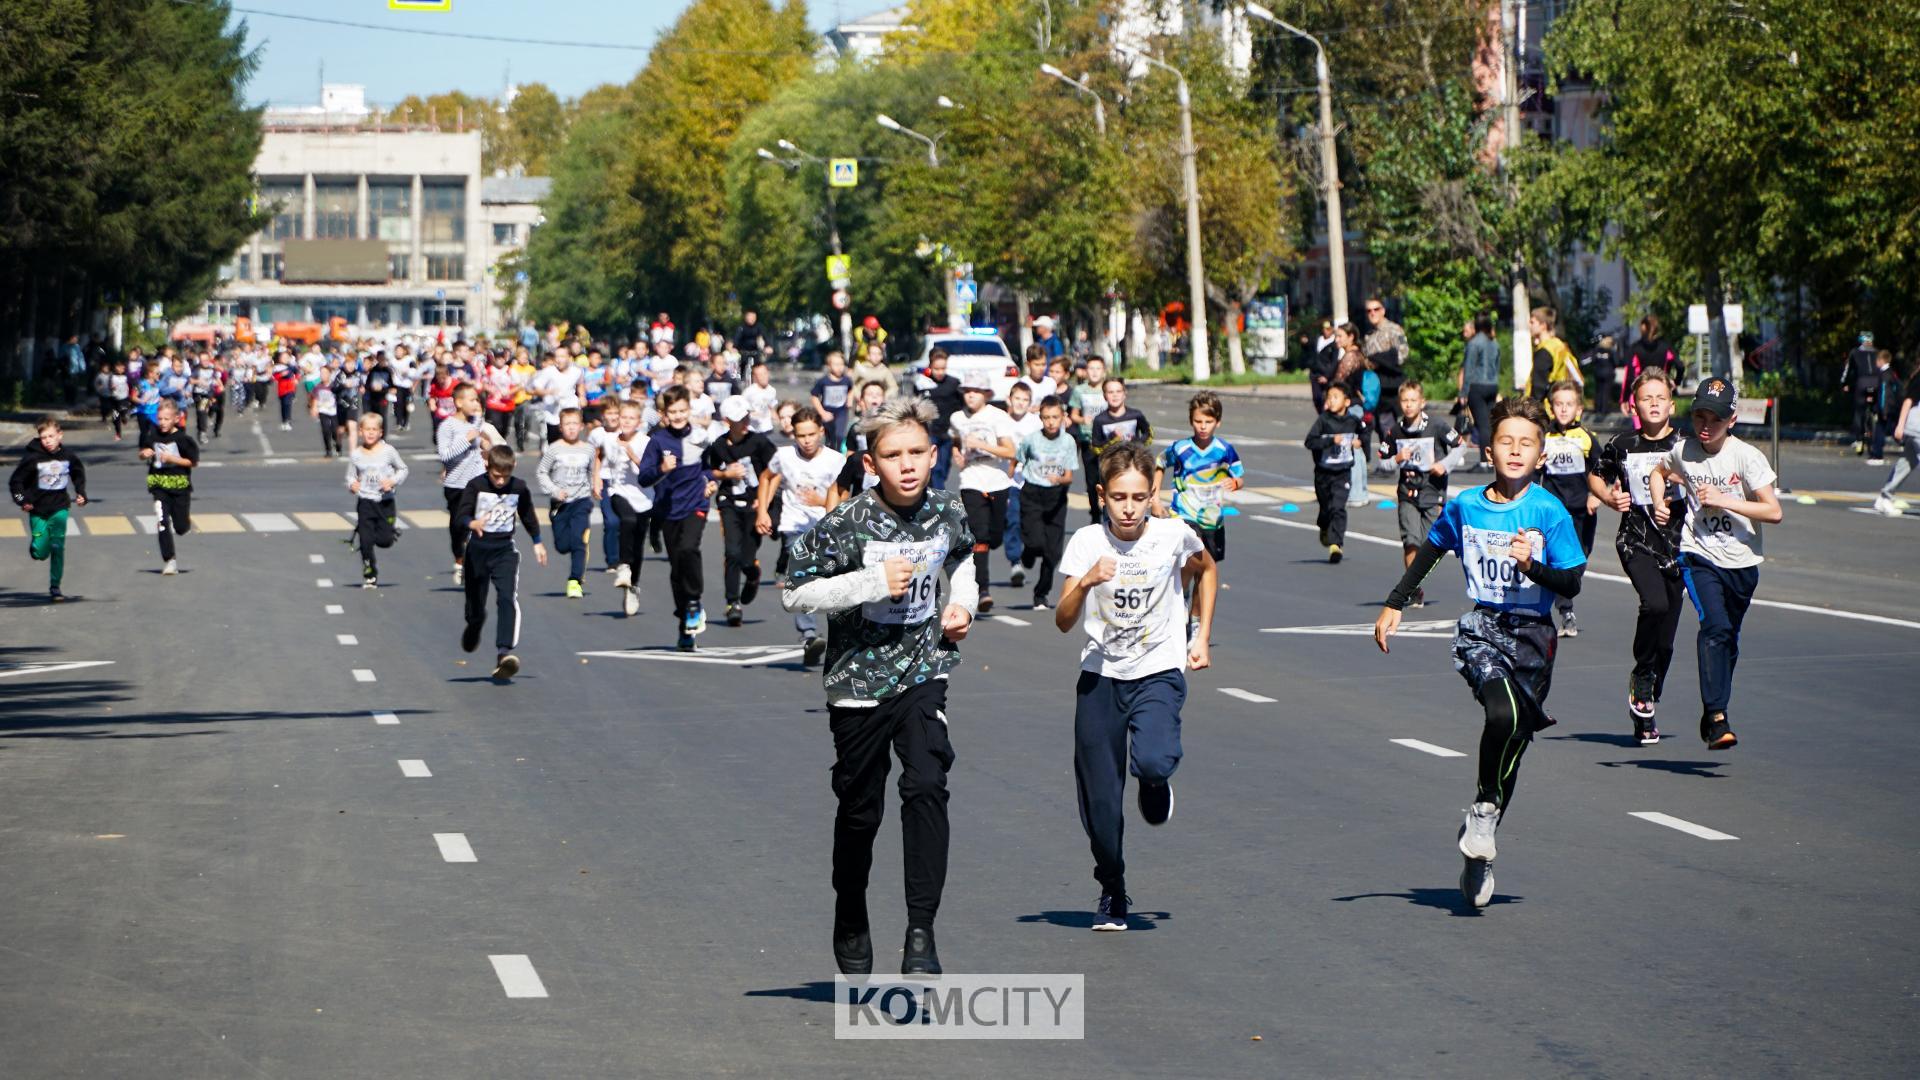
[1492, 575]
[916, 604]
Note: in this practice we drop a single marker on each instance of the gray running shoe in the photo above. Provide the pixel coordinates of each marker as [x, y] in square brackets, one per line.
[1476, 834]
[1476, 882]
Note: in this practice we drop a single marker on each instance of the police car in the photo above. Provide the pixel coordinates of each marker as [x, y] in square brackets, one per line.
[978, 352]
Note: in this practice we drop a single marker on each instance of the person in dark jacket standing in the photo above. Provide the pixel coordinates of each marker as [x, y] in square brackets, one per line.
[1861, 375]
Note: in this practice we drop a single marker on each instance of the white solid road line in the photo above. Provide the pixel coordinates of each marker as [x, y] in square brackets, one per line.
[1682, 824]
[323, 583]
[1246, 695]
[414, 768]
[361, 674]
[346, 639]
[517, 977]
[336, 609]
[43, 669]
[266, 448]
[1857, 616]
[1009, 620]
[1426, 748]
[317, 560]
[454, 847]
[385, 718]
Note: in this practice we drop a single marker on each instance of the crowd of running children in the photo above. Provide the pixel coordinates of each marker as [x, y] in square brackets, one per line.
[854, 483]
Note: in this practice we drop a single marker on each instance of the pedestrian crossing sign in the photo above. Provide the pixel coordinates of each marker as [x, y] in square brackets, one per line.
[839, 269]
[843, 172]
[419, 5]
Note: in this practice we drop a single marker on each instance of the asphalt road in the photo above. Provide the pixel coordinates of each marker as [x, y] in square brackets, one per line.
[216, 863]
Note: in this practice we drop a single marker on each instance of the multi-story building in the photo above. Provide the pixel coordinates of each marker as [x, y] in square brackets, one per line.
[386, 224]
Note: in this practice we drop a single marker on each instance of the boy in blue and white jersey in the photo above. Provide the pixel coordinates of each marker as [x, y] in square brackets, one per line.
[1519, 548]
[1204, 468]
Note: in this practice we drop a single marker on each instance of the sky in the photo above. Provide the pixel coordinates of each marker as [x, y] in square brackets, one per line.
[393, 65]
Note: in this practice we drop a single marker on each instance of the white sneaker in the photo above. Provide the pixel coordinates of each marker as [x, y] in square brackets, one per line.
[1884, 505]
[1476, 882]
[169, 570]
[1018, 577]
[1476, 833]
[630, 600]
[622, 576]
[459, 574]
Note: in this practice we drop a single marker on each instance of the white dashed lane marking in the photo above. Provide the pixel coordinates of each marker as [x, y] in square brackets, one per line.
[454, 847]
[346, 639]
[336, 609]
[1246, 695]
[517, 977]
[361, 674]
[414, 769]
[270, 522]
[323, 583]
[1682, 825]
[385, 718]
[317, 560]
[1427, 748]
[1009, 620]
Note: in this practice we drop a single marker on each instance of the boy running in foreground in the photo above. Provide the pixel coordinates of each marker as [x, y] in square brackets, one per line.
[892, 568]
[1128, 576]
[1518, 547]
[374, 470]
[489, 504]
[39, 486]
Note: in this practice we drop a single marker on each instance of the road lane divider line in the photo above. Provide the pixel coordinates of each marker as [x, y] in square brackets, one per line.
[517, 977]
[1009, 620]
[385, 718]
[415, 769]
[346, 639]
[336, 609]
[454, 847]
[361, 674]
[1246, 695]
[1682, 825]
[1426, 747]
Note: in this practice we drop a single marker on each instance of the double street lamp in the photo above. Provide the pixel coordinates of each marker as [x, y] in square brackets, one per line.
[1196, 276]
[1099, 105]
[933, 149]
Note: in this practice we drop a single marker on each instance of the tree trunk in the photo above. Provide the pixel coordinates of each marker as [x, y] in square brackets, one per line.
[1022, 314]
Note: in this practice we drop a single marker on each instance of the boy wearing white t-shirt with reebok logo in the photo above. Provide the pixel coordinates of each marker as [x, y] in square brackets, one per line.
[1729, 493]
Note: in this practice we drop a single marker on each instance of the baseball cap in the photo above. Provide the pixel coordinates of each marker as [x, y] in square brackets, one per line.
[977, 380]
[733, 410]
[1715, 396]
[1866, 337]
[1044, 320]
[871, 322]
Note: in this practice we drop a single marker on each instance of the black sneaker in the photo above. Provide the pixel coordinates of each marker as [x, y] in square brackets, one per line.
[54, 594]
[919, 956]
[470, 637]
[853, 952]
[1155, 801]
[685, 644]
[1111, 912]
[734, 617]
[1716, 733]
[750, 588]
[813, 652]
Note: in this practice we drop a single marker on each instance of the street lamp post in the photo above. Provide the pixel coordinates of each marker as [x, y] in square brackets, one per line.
[833, 232]
[1196, 275]
[949, 285]
[1329, 166]
[1099, 106]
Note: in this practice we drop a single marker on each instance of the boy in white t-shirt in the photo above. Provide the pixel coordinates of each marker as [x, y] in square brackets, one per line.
[802, 475]
[762, 399]
[1125, 584]
[1729, 494]
[1021, 399]
[983, 444]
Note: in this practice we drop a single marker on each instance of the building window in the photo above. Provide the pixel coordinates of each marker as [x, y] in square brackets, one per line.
[288, 204]
[390, 213]
[328, 309]
[399, 266]
[290, 311]
[272, 265]
[506, 234]
[443, 312]
[336, 211]
[443, 212]
[446, 267]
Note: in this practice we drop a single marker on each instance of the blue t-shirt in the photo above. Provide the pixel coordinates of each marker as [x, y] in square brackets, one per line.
[1200, 478]
[149, 394]
[1478, 530]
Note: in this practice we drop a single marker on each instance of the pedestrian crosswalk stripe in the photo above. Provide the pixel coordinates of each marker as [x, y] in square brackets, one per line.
[324, 521]
[217, 523]
[426, 519]
[14, 529]
[271, 522]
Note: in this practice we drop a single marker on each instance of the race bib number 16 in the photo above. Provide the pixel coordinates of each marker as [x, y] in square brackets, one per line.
[916, 604]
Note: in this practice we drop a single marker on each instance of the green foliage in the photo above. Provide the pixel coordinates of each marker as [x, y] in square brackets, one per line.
[126, 154]
[573, 276]
[1434, 313]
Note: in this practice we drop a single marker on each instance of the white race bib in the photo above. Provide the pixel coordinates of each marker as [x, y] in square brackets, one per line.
[1206, 496]
[1419, 453]
[1340, 453]
[1564, 457]
[1492, 575]
[497, 512]
[1639, 468]
[916, 604]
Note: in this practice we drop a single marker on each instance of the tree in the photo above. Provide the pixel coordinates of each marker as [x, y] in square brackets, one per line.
[534, 127]
[572, 273]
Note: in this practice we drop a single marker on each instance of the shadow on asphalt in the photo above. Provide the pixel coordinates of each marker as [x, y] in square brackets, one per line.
[821, 992]
[53, 709]
[1605, 738]
[1702, 769]
[1083, 920]
[1447, 900]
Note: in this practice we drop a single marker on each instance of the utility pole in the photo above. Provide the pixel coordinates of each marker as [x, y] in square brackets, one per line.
[1329, 165]
[1513, 29]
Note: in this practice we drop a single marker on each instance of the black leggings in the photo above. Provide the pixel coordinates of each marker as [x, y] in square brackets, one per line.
[742, 545]
[374, 527]
[173, 514]
[1480, 399]
[632, 526]
[286, 408]
[329, 434]
[687, 578]
[456, 536]
[1502, 742]
[1661, 593]
[1043, 525]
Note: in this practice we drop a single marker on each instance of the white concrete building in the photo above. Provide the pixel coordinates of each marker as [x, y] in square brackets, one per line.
[383, 223]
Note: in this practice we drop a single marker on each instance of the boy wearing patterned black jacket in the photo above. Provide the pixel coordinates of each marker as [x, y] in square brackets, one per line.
[892, 568]
[488, 507]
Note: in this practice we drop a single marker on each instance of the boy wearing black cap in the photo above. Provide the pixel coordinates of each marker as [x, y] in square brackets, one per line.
[1728, 487]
